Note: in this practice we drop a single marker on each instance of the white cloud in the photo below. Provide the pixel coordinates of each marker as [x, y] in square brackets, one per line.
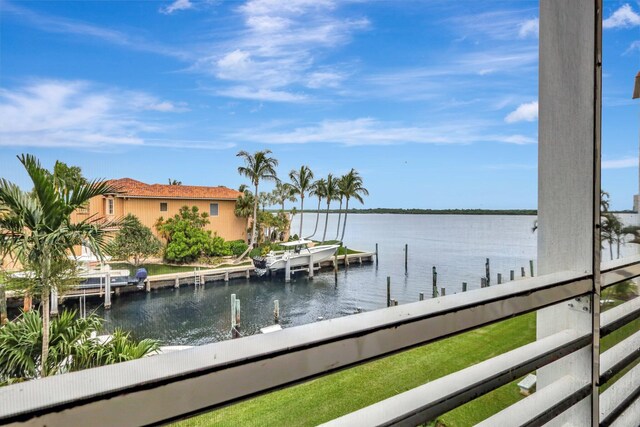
[175, 6]
[167, 107]
[369, 131]
[633, 47]
[75, 114]
[279, 47]
[495, 24]
[624, 17]
[245, 92]
[626, 162]
[524, 113]
[529, 28]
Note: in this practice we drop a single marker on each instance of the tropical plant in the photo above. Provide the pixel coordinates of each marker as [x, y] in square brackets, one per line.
[238, 247]
[352, 188]
[331, 194]
[65, 175]
[71, 343]
[611, 230]
[257, 167]
[186, 237]
[319, 189]
[244, 207]
[301, 184]
[134, 242]
[37, 230]
[174, 182]
[283, 193]
[266, 199]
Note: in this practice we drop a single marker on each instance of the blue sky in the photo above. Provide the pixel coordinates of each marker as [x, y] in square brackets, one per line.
[434, 102]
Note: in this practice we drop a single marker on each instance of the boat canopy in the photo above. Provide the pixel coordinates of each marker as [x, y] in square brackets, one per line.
[296, 243]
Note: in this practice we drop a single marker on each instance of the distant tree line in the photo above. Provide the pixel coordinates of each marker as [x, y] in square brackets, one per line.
[414, 211]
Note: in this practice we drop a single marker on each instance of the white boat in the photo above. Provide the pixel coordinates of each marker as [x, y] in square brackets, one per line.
[297, 253]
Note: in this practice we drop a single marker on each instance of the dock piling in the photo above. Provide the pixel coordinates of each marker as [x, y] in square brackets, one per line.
[406, 256]
[483, 282]
[421, 297]
[54, 302]
[434, 278]
[388, 291]
[499, 278]
[235, 316]
[443, 291]
[346, 257]
[395, 302]
[226, 276]
[287, 271]
[376, 254]
[107, 288]
[522, 271]
[177, 283]
[531, 267]
[512, 275]
[487, 267]
[276, 311]
[464, 286]
[147, 285]
[310, 268]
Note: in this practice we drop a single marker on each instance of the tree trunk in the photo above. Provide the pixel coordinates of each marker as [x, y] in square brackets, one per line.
[339, 217]
[344, 224]
[611, 249]
[45, 331]
[301, 216]
[317, 219]
[326, 221]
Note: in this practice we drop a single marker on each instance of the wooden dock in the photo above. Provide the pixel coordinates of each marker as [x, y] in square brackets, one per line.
[199, 277]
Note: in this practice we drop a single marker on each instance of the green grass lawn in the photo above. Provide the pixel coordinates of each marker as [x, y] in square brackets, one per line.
[152, 269]
[337, 394]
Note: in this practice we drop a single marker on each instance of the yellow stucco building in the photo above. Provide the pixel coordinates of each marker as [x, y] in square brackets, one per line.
[149, 202]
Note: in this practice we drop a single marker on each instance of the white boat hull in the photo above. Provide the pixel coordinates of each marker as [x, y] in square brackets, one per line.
[303, 258]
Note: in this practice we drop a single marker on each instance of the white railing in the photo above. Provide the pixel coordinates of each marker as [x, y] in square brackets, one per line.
[173, 386]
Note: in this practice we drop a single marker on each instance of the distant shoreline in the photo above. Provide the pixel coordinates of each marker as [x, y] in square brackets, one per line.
[399, 211]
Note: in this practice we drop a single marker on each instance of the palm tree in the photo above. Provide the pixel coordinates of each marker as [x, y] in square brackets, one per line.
[331, 194]
[318, 188]
[174, 182]
[301, 183]
[244, 207]
[352, 188]
[258, 166]
[283, 193]
[340, 196]
[36, 229]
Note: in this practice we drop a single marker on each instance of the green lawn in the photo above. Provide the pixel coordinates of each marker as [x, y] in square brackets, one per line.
[152, 269]
[337, 394]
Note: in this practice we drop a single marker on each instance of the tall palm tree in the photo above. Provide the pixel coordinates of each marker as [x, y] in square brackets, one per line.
[352, 188]
[258, 166]
[301, 183]
[340, 196]
[319, 189]
[331, 194]
[36, 229]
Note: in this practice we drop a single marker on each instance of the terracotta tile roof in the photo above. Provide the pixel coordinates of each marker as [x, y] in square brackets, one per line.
[128, 187]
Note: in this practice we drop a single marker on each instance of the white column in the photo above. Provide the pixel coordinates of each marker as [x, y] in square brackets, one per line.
[569, 178]
[54, 301]
[107, 287]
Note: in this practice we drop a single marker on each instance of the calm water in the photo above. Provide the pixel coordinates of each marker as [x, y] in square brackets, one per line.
[456, 245]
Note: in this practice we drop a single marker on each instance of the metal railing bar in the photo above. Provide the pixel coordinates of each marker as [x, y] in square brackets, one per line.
[427, 402]
[608, 266]
[234, 370]
[615, 400]
[629, 417]
[619, 316]
[541, 406]
[619, 357]
[617, 271]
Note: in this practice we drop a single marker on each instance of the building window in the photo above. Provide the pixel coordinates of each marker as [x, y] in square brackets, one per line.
[109, 206]
[213, 209]
[163, 207]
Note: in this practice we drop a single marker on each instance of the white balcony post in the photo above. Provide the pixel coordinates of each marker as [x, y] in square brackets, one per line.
[569, 181]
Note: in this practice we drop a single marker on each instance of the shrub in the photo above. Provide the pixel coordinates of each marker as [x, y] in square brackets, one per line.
[218, 247]
[238, 247]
